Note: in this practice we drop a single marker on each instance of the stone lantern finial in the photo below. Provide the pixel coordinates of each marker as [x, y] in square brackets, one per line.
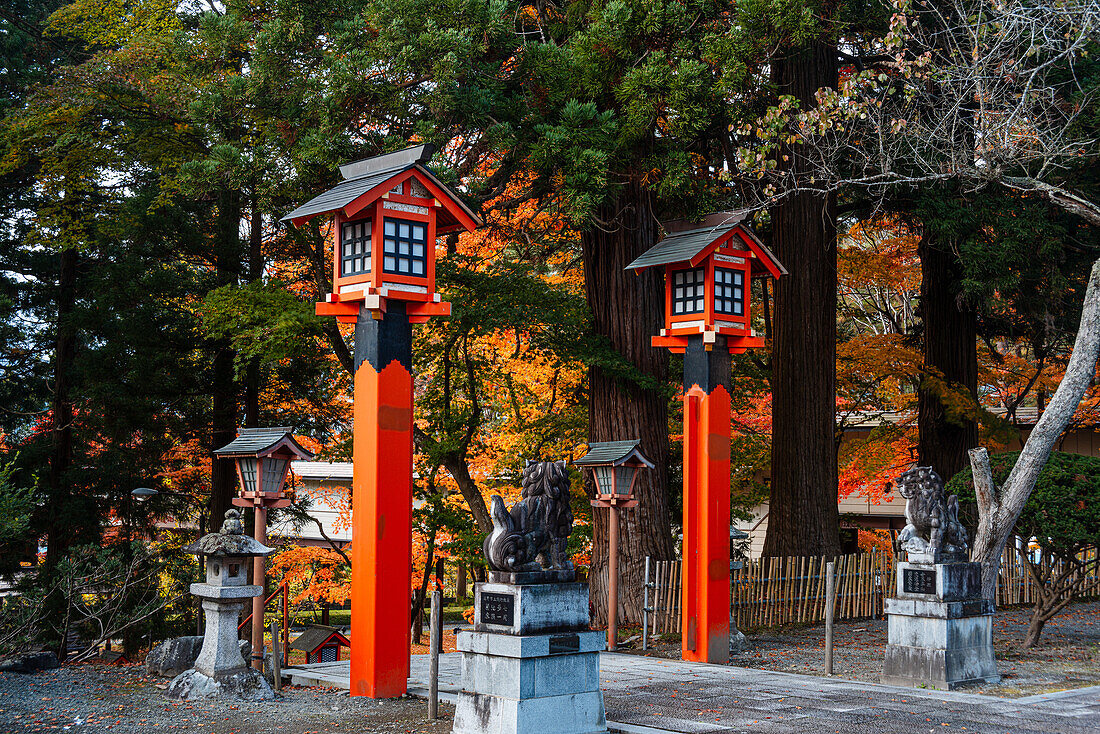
[232, 523]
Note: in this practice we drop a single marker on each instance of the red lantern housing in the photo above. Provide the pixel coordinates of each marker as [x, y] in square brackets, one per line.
[708, 269]
[387, 214]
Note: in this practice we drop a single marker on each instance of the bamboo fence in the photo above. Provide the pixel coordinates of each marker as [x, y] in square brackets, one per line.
[770, 592]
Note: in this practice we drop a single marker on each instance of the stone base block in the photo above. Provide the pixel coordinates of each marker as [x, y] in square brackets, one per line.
[939, 652]
[245, 684]
[538, 677]
[944, 670]
[530, 609]
[577, 713]
[561, 576]
[529, 646]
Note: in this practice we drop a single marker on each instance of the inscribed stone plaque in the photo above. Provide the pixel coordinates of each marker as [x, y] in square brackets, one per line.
[564, 643]
[918, 581]
[497, 608]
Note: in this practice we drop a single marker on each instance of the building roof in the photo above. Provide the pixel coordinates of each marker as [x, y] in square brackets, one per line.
[360, 177]
[685, 245]
[315, 636]
[322, 470]
[261, 442]
[1026, 416]
[612, 452]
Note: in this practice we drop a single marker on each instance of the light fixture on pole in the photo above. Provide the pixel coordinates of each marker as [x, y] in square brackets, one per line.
[143, 494]
[263, 457]
[615, 466]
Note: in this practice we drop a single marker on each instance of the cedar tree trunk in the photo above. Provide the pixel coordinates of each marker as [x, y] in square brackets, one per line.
[627, 310]
[951, 358]
[255, 271]
[223, 479]
[803, 518]
[60, 513]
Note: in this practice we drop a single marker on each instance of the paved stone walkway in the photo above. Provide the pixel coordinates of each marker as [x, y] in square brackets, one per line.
[643, 695]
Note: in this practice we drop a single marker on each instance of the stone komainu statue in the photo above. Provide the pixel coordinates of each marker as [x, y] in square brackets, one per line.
[532, 536]
[932, 518]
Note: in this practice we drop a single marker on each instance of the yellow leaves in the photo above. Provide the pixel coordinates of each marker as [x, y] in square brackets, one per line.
[112, 23]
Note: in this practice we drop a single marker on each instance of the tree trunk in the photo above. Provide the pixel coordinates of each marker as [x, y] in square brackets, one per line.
[946, 433]
[422, 593]
[999, 508]
[1035, 627]
[60, 531]
[255, 272]
[803, 518]
[459, 470]
[223, 479]
[627, 310]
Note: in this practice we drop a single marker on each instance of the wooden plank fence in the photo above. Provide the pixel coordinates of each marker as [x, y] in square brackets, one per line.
[769, 592]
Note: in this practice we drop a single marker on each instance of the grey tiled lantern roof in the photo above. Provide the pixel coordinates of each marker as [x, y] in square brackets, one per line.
[684, 246]
[681, 246]
[364, 175]
[612, 452]
[262, 442]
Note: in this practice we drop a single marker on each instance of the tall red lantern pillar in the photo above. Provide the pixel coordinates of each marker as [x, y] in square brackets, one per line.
[387, 214]
[708, 268]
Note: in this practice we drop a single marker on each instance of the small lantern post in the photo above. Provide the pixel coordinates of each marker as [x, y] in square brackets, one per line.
[263, 457]
[614, 466]
[219, 669]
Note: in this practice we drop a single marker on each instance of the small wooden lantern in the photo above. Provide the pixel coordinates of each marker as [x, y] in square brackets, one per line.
[387, 214]
[614, 466]
[321, 644]
[263, 457]
[708, 269]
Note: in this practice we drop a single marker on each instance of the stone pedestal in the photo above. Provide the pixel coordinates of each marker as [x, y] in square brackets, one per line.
[220, 670]
[940, 627]
[530, 665]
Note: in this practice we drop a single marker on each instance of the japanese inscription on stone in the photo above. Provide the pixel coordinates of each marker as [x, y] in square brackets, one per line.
[564, 643]
[918, 581]
[497, 608]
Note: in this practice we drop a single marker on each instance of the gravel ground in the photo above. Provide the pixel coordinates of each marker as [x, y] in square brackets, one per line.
[88, 699]
[1068, 654]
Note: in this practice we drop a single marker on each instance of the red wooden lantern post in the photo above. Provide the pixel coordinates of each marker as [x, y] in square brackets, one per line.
[614, 466]
[263, 457]
[708, 268]
[387, 214]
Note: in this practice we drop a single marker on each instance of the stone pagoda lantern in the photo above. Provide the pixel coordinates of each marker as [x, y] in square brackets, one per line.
[220, 670]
